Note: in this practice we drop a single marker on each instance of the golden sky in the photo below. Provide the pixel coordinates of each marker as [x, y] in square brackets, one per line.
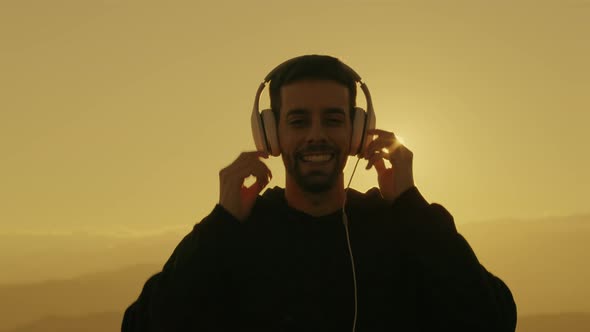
[118, 115]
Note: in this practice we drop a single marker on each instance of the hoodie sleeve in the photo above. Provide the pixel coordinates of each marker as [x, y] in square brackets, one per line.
[189, 293]
[456, 293]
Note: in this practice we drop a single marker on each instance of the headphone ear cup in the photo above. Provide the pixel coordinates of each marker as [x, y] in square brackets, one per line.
[270, 131]
[358, 130]
[258, 132]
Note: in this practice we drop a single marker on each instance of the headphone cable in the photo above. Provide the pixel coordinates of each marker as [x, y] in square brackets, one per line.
[345, 222]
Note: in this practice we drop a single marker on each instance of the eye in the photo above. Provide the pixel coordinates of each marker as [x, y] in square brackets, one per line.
[297, 123]
[334, 122]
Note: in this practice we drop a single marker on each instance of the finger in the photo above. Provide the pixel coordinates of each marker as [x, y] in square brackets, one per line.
[241, 160]
[262, 181]
[257, 169]
[236, 173]
[380, 165]
[375, 157]
[378, 145]
[253, 190]
[380, 132]
[401, 154]
[252, 154]
[248, 159]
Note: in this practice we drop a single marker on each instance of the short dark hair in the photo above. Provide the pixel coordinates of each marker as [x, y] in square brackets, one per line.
[314, 67]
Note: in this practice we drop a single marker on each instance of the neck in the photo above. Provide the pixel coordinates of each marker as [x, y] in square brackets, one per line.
[315, 204]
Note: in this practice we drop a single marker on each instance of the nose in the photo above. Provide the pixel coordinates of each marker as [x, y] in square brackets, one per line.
[316, 132]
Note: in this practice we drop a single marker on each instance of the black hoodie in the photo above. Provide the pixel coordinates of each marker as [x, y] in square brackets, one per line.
[284, 270]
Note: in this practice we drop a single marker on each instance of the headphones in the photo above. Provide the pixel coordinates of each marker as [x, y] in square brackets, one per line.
[264, 125]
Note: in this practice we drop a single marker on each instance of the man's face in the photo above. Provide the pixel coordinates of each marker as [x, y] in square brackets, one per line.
[314, 132]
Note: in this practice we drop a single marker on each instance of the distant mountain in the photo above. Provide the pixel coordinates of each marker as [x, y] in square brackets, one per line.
[38, 257]
[51, 301]
[566, 322]
[111, 321]
[96, 322]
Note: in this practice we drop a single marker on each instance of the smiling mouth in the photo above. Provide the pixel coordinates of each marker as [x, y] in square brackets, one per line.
[316, 157]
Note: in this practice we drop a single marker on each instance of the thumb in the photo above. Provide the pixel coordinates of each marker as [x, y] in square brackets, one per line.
[380, 166]
[254, 189]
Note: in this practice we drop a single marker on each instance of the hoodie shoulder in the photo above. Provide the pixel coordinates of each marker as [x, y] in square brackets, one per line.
[272, 194]
[271, 197]
[370, 199]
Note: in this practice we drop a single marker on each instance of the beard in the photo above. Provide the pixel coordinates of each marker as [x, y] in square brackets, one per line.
[315, 180]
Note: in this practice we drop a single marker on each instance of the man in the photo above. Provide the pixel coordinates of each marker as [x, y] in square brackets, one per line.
[294, 259]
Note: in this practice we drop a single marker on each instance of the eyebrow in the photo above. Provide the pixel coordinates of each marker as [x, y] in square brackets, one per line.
[304, 111]
[334, 110]
[297, 111]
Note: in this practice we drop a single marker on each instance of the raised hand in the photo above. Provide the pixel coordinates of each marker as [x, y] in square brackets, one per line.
[397, 178]
[234, 196]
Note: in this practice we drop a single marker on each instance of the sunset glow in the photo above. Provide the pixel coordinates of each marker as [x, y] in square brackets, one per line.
[117, 116]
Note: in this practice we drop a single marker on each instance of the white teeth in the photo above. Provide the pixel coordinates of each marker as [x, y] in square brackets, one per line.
[317, 157]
